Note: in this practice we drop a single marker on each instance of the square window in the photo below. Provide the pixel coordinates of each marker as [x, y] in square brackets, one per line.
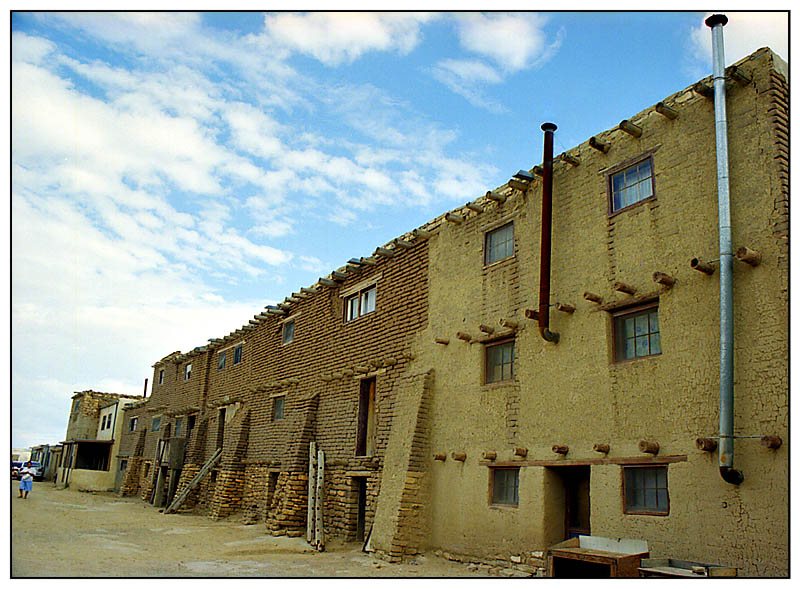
[631, 185]
[156, 425]
[237, 354]
[499, 244]
[132, 424]
[505, 486]
[221, 361]
[360, 303]
[288, 332]
[637, 333]
[499, 362]
[646, 490]
[161, 376]
[278, 404]
[187, 372]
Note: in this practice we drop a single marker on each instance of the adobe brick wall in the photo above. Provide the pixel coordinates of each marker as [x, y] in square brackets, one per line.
[574, 393]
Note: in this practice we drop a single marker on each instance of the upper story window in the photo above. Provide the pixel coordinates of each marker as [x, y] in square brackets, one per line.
[499, 362]
[132, 424]
[646, 490]
[278, 405]
[360, 303]
[178, 426]
[287, 332]
[156, 425]
[221, 361]
[187, 371]
[498, 244]
[103, 423]
[161, 376]
[637, 333]
[631, 185]
[237, 354]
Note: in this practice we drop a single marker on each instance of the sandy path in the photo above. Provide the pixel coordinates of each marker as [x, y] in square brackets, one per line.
[65, 533]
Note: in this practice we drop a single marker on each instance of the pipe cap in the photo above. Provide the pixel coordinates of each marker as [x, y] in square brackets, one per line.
[716, 19]
[549, 127]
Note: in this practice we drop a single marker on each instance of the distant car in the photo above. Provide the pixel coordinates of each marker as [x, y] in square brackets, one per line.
[38, 471]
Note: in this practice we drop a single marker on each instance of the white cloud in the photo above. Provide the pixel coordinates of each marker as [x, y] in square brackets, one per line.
[745, 33]
[338, 37]
[515, 41]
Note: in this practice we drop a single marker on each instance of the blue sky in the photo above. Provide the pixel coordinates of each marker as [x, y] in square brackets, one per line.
[172, 173]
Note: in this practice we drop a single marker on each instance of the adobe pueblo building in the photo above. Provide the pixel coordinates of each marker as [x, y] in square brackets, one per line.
[507, 377]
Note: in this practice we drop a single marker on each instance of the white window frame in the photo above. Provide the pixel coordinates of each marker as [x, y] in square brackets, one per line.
[187, 371]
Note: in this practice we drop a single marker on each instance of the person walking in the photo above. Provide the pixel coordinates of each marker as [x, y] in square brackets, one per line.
[26, 480]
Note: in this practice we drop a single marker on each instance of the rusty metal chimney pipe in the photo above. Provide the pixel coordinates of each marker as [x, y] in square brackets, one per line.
[547, 223]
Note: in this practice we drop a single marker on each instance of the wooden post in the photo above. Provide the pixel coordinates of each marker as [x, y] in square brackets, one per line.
[500, 198]
[704, 90]
[318, 522]
[442, 340]
[703, 267]
[460, 456]
[486, 328]
[441, 457]
[771, 442]
[663, 279]
[630, 128]
[625, 288]
[599, 145]
[667, 111]
[312, 488]
[570, 159]
[490, 455]
[595, 298]
[473, 206]
[421, 234]
[453, 218]
[521, 452]
[564, 307]
[602, 448]
[706, 444]
[558, 449]
[748, 256]
[463, 336]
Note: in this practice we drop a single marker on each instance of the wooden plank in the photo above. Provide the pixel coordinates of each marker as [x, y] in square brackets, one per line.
[195, 481]
[318, 527]
[312, 488]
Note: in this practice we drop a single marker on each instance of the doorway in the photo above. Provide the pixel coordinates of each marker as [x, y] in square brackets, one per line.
[569, 504]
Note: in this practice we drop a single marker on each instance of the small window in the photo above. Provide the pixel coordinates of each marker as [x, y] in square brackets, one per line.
[646, 490]
[237, 354]
[505, 486]
[123, 465]
[278, 404]
[637, 333]
[360, 304]
[499, 362]
[103, 423]
[161, 376]
[156, 424]
[288, 332]
[132, 424]
[221, 361]
[499, 244]
[178, 426]
[631, 185]
[187, 372]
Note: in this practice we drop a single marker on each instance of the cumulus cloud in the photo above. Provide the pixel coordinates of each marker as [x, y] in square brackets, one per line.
[342, 37]
[744, 33]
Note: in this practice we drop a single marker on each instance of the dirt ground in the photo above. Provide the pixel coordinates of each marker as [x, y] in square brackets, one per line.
[66, 533]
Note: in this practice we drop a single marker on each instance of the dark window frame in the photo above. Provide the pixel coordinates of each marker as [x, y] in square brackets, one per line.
[495, 344]
[623, 167]
[187, 371]
[626, 509]
[358, 297]
[161, 376]
[238, 354]
[493, 486]
[221, 359]
[132, 423]
[617, 316]
[486, 238]
[278, 401]
[284, 332]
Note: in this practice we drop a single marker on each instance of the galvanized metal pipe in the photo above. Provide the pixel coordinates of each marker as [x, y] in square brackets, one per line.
[726, 349]
[547, 221]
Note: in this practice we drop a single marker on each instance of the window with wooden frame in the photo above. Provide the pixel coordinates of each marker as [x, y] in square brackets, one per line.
[498, 244]
[645, 490]
[187, 372]
[360, 303]
[237, 354]
[499, 361]
[132, 424]
[637, 333]
[631, 185]
[178, 426]
[156, 424]
[221, 360]
[287, 332]
[504, 486]
[278, 406]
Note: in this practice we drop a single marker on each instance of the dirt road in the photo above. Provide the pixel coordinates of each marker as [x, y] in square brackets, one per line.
[65, 533]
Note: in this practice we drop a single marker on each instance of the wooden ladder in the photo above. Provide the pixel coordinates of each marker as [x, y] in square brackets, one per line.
[195, 481]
